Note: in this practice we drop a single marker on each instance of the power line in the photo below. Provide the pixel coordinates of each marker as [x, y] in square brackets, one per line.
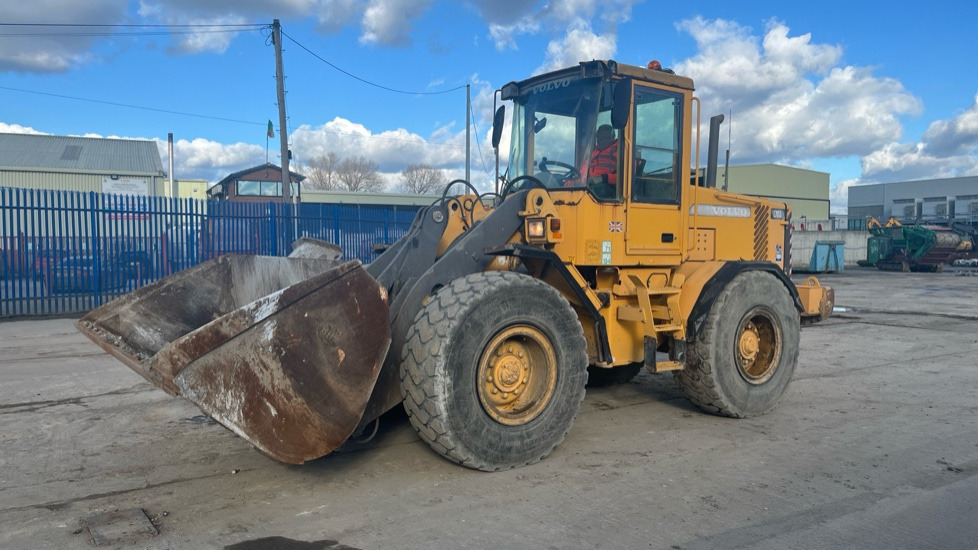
[224, 119]
[191, 29]
[477, 144]
[100, 34]
[214, 28]
[141, 107]
[135, 25]
[159, 30]
[365, 81]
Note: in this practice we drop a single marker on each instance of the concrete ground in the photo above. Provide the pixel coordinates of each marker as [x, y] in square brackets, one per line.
[875, 445]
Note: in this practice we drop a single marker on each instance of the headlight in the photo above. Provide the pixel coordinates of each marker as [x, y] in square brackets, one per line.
[535, 228]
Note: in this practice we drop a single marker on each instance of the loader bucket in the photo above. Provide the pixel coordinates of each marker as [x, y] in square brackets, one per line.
[284, 352]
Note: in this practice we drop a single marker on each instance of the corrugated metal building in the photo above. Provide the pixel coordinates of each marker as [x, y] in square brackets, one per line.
[935, 200]
[806, 191]
[188, 189]
[69, 163]
[370, 199]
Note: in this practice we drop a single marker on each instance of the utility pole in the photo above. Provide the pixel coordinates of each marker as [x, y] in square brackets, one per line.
[173, 181]
[283, 133]
[468, 132]
[280, 91]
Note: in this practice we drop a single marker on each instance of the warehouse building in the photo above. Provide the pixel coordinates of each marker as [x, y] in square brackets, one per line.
[69, 163]
[922, 201]
[806, 191]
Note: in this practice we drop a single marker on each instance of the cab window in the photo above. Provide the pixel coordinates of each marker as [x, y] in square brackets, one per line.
[657, 149]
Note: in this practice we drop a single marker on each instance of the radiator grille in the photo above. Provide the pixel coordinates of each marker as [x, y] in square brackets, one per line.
[761, 215]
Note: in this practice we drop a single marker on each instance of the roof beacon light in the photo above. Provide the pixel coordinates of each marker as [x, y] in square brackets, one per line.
[654, 65]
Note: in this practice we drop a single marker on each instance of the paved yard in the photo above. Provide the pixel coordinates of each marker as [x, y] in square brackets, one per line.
[876, 444]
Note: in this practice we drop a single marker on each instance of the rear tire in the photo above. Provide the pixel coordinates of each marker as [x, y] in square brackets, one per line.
[743, 359]
[493, 370]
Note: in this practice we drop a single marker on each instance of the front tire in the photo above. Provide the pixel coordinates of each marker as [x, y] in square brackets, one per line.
[743, 359]
[493, 370]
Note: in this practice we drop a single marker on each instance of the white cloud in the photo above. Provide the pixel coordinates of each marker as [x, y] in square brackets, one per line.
[48, 50]
[388, 22]
[579, 44]
[555, 17]
[914, 161]
[955, 136]
[385, 22]
[504, 36]
[217, 41]
[333, 15]
[839, 195]
[18, 129]
[949, 148]
[502, 12]
[382, 22]
[220, 12]
[392, 150]
[789, 98]
[211, 160]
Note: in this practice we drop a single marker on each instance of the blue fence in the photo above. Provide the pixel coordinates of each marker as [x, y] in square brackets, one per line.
[65, 252]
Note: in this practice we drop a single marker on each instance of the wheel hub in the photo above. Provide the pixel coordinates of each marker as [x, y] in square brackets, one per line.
[517, 375]
[759, 344]
[507, 373]
[749, 342]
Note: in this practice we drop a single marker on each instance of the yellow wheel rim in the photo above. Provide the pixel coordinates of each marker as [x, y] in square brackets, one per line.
[758, 344]
[517, 375]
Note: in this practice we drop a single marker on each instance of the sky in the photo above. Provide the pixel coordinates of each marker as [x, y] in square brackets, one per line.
[869, 92]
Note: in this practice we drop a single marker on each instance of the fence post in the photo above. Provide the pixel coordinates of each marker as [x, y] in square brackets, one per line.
[96, 252]
[273, 215]
[191, 248]
[336, 225]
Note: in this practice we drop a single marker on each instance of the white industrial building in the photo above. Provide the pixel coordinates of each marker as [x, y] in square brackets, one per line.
[71, 163]
[928, 201]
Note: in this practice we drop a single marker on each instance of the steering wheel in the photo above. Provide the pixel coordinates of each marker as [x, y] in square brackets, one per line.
[570, 172]
[519, 184]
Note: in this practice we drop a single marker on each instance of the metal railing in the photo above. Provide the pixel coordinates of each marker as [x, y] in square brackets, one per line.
[64, 252]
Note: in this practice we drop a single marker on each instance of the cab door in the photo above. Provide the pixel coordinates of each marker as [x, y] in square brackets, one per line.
[655, 222]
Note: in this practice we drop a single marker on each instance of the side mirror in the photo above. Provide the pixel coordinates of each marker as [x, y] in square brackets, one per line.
[539, 125]
[497, 125]
[622, 106]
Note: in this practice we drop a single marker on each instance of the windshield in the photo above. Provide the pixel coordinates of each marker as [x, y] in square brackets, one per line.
[554, 126]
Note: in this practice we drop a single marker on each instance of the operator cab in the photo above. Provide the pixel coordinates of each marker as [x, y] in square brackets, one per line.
[577, 128]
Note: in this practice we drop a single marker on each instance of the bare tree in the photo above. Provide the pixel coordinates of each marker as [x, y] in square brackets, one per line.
[322, 172]
[421, 179]
[359, 174]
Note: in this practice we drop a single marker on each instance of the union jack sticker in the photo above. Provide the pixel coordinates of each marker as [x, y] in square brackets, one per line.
[615, 227]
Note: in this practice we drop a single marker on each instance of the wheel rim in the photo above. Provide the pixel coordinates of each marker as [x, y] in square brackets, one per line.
[758, 345]
[517, 375]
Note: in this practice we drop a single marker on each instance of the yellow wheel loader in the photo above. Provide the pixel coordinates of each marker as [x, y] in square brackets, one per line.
[491, 315]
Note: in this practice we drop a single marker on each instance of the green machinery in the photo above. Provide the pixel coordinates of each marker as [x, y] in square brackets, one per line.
[898, 247]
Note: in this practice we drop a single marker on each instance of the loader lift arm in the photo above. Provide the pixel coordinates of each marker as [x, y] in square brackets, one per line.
[415, 271]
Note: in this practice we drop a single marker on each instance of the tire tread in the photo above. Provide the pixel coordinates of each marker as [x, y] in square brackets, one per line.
[422, 369]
